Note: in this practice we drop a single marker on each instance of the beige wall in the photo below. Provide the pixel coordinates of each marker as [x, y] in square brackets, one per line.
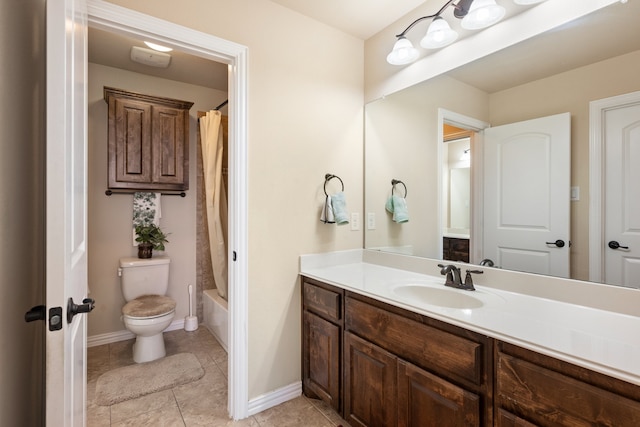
[305, 120]
[401, 142]
[110, 235]
[571, 92]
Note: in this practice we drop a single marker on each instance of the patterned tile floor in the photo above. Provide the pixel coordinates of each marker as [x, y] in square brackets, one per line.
[200, 403]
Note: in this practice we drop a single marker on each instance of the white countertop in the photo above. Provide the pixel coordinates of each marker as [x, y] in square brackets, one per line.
[603, 340]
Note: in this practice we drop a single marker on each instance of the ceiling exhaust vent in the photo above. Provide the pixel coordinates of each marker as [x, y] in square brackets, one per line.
[150, 57]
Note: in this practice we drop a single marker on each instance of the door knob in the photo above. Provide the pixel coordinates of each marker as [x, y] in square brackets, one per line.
[615, 245]
[73, 308]
[559, 243]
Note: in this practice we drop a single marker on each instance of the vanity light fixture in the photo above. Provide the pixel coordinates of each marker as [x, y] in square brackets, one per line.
[475, 15]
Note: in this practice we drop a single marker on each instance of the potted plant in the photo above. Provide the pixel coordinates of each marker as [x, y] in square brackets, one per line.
[149, 237]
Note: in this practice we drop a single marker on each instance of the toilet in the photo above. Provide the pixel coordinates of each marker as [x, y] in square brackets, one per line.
[148, 311]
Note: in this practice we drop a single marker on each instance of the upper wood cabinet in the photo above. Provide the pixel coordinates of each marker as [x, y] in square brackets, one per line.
[148, 142]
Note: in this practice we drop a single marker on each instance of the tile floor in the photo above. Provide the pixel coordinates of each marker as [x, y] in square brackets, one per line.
[200, 403]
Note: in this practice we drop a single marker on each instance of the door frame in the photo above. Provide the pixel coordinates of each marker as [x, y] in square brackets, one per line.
[116, 19]
[477, 160]
[597, 110]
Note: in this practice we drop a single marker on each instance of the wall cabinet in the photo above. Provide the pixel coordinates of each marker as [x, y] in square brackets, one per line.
[148, 142]
[400, 368]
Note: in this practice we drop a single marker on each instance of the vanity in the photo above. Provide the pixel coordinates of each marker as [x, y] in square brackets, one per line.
[386, 344]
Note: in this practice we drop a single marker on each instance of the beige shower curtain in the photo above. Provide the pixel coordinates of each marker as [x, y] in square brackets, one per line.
[215, 196]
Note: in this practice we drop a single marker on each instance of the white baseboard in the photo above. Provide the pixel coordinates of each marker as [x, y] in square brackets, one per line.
[274, 398]
[124, 335]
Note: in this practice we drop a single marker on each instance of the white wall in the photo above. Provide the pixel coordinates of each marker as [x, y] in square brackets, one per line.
[110, 235]
[305, 120]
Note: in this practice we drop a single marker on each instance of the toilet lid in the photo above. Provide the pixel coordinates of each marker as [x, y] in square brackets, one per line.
[149, 306]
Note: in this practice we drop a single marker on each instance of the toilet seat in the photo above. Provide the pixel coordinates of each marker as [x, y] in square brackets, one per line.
[148, 307]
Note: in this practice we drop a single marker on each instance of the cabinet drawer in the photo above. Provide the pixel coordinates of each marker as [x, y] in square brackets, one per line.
[430, 348]
[544, 396]
[322, 301]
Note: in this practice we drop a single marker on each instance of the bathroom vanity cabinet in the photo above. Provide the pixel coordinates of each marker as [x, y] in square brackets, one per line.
[148, 142]
[380, 365]
[322, 326]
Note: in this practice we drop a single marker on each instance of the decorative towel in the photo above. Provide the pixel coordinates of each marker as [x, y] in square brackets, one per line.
[398, 207]
[339, 203]
[327, 212]
[146, 210]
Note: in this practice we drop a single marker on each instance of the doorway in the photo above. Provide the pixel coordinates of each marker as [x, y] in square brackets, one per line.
[116, 19]
[614, 209]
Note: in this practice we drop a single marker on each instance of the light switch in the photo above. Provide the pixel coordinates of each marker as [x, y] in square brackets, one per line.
[575, 194]
[355, 221]
[371, 221]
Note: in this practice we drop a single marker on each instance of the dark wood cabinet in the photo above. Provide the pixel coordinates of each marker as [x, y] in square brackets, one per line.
[533, 389]
[322, 343]
[400, 368]
[455, 249]
[441, 373]
[148, 142]
[370, 384]
[426, 400]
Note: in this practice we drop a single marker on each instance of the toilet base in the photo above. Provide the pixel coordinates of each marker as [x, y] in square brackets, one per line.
[146, 349]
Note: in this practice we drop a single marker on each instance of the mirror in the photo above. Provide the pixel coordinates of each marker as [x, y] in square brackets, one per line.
[559, 71]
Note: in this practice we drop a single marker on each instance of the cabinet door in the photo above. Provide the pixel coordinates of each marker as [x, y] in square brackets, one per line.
[425, 400]
[370, 384]
[507, 419]
[130, 146]
[169, 145]
[321, 359]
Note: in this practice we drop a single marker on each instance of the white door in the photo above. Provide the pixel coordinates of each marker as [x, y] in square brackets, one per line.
[66, 204]
[526, 195]
[621, 132]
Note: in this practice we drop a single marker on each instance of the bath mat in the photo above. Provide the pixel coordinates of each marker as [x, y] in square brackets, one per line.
[137, 380]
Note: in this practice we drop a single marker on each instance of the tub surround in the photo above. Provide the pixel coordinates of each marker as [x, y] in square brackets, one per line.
[590, 325]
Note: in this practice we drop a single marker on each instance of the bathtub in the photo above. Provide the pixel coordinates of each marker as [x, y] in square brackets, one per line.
[216, 316]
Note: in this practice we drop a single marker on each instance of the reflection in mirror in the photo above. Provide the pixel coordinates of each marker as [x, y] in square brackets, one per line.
[562, 70]
[456, 194]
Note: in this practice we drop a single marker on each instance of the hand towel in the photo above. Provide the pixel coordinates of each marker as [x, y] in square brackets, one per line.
[327, 212]
[339, 203]
[146, 210]
[398, 207]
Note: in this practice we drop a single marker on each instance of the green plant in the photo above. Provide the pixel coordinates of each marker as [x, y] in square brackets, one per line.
[151, 234]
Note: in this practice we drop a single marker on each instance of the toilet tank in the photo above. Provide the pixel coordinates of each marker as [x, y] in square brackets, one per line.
[144, 276]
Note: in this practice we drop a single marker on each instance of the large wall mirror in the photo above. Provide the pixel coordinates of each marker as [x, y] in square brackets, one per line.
[557, 72]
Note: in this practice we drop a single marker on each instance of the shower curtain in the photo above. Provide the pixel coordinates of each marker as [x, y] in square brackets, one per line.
[215, 196]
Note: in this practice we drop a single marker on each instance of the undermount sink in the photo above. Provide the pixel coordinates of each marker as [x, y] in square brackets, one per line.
[443, 297]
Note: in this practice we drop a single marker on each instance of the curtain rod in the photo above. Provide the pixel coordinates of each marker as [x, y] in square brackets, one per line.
[222, 105]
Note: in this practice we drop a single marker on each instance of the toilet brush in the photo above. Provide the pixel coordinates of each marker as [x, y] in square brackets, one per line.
[191, 321]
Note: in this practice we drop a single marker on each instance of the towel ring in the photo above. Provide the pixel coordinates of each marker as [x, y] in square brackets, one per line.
[328, 177]
[393, 186]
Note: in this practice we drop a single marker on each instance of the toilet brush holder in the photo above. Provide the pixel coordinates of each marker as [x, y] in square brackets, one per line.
[190, 323]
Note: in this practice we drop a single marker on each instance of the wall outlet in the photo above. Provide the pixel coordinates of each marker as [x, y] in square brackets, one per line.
[355, 221]
[371, 221]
